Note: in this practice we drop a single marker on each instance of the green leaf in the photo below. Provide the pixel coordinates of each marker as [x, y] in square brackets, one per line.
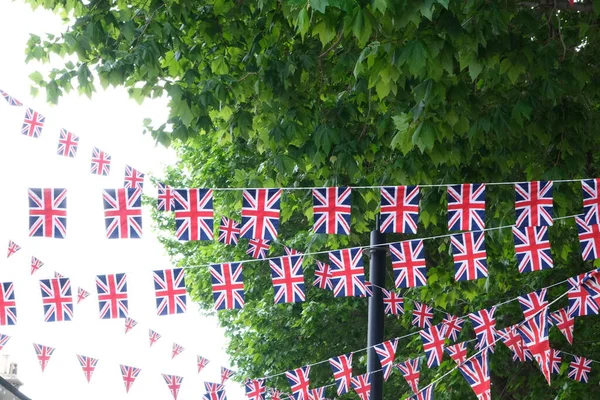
[325, 34]
[424, 136]
[36, 77]
[319, 5]
[361, 27]
[475, 69]
[303, 22]
[380, 5]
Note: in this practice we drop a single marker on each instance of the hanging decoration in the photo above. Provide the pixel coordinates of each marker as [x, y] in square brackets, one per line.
[134, 179]
[332, 207]
[533, 204]
[408, 263]
[12, 248]
[129, 374]
[33, 123]
[342, 372]
[229, 231]
[399, 209]
[48, 213]
[67, 144]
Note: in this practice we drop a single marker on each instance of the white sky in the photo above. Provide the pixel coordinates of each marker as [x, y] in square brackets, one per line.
[112, 122]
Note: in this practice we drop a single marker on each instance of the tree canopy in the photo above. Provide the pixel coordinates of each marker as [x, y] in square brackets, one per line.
[356, 92]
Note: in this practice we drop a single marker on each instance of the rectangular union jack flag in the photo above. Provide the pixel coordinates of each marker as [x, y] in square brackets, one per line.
[299, 382]
[229, 231]
[589, 238]
[129, 375]
[169, 287]
[194, 214]
[411, 371]
[477, 374]
[399, 209]
[260, 213]
[10, 100]
[511, 339]
[33, 123]
[533, 248]
[342, 372]
[580, 368]
[67, 144]
[255, 389]
[112, 296]
[591, 201]
[291, 252]
[433, 344]
[484, 325]
[386, 352]
[166, 199]
[288, 279]
[100, 162]
[332, 207]
[57, 299]
[565, 323]
[453, 326]
[88, 365]
[457, 352]
[48, 213]
[408, 262]
[202, 362]
[318, 393]
[393, 303]
[134, 179]
[258, 248]
[468, 250]
[227, 285]
[36, 264]
[173, 383]
[422, 315]
[581, 303]
[123, 213]
[12, 248]
[43, 354]
[466, 207]
[347, 272]
[323, 276]
[555, 361]
[533, 204]
[362, 386]
[8, 305]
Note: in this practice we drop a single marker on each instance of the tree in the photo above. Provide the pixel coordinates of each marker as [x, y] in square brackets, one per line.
[339, 92]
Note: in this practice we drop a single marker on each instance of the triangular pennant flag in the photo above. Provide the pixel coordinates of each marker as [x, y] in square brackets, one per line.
[511, 339]
[173, 383]
[212, 387]
[202, 362]
[458, 352]
[12, 248]
[299, 382]
[386, 352]
[477, 373]
[275, 394]
[291, 252]
[581, 303]
[453, 326]
[255, 389]
[154, 336]
[411, 371]
[543, 360]
[3, 340]
[129, 324]
[43, 354]
[58, 275]
[177, 350]
[362, 386]
[564, 322]
[226, 374]
[424, 394]
[82, 294]
[218, 395]
[342, 372]
[88, 365]
[10, 100]
[36, 264]
[129, 375]
[433, 344]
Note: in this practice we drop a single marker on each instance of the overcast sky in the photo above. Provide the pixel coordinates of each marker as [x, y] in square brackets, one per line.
[113, 123]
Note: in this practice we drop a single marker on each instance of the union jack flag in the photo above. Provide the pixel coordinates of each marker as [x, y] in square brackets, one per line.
[591, 284]
[318, 393]
[477, 373]
[194, 214]
[332, 207]
[323, 276]
[362, 386]
[57, 299]
[399, 209]
[229, 231]
[212, 387]
[260, 213]
[276, 394]
[82, 294]
[511, 339]
[48, 213]
[129, 376]
[580, 368]
[3, 340]
[533, 203]
[166, 199]
[393, 303]
[408, 262]
[134, 179]
[291, 252]
[533, 302]
[227, 286]
[342, 372]
[67, 144]
[534, 332]
[457, 352]
[589, 237]
[10, 100]
[173, 383]
[88, 365]
[258, 248]
[130, 323]
[226, 374]
[153, 336]
[484, 325]
[57, 275]
[411, 371]
[255, 389]
[123, 213]
[533, 248]
[112, 296]
[43, 354]
[565, 322]
[299, 382]
[288, 279]
[422, 315]
[469, 254]
[555, 361]
[423, 394]
[33, 123]
[218, 395]
[12, 248]
[466, 207]
[347, 272]
[100, 162]
[581, 303]
[36, 264]
[433, 344]
[169, 287]
[386, 352]
[176, 350]
[8, 305]
[591, 201]
[202, 363]
[453, 326]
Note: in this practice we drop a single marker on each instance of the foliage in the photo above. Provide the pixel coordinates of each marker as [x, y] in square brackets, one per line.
[340, 92]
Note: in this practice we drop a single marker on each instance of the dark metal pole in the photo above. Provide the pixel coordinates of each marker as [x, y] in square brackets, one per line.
[375, 328]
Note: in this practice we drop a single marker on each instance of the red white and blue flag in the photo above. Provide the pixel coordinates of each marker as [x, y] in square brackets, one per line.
[411, 371]
[112, 296]
[534, 332]
[212, 387]
[347, 272]
[533, 248]
[362, 386]
[229, 231]
[468, 250]
[218, 395]
[169, 287]
[422, 315]
[43, 354]
[466, 207]
[393, 303]
[36, 264]
[176, 350]
[423, 394]
[399, 209]
[533, 204]
[48, 213]
[332, 207]
[123, 213]
[10, 100]
[288, 279]
[477, 373]
[511, 339]
[580, 368]
[581, 303]
[318, 393]
[433, 344]
[299, 382]
[100, 162]
[258, 248]
[8, 304]
[12, 248]
[194, 214]
[153, 336]
[166, 198]
[227, 285]
[589, 238]
[342, 372]
[130, 323]
[533, 302]
[276, 394]
[457, 352]
[255, 389]
[67, 144]
[173, 383]
[323, 276]
[88, 365]
[291, 252]
[591, 201]
[129, 374]
[565, 323]
[134, 179]
[386, 352]
[226, 373]
[202, 362]
[453, 326]
[484, 325]
[33, 123]
[3, 340]
[408, 263]
[57, 299]
[82, 294]
[260, 213]
[555, 361]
